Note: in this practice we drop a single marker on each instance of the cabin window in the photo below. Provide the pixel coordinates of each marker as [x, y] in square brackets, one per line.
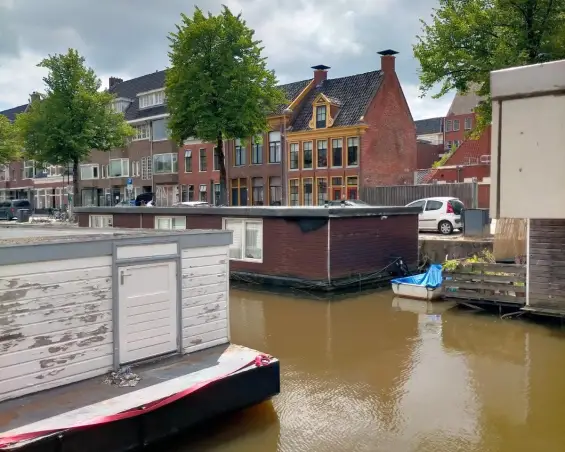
[247, 244]
[170, 222]
[100, 221]
[321, 116]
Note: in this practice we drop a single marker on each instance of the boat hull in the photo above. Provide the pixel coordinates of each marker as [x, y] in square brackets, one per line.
[416, 292]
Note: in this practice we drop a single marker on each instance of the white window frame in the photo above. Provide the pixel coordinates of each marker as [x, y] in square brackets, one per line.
[90, 166]
[100, 221]
[171, 219]
[124, 164]
[151, 99]
[26, 165]
[141, 132]
[468, 123]
[244, 222]
[135, 169]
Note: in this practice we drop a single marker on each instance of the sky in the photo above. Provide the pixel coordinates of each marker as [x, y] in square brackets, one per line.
[128, 38]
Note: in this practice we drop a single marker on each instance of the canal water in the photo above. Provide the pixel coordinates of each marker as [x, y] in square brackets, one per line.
[373, 373]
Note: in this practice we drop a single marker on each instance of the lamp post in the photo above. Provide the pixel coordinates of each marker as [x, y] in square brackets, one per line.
[286, 113]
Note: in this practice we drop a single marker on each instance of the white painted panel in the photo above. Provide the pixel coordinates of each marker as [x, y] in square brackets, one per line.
[205, 270]
[147, 289]
[45, 303]
[204, 299]
[19, 282]
[205, 251]
[204, 318]
[54, 266]
[137, 251]
[203, 280]
[198, 330]
[49, 290]
[204, 290]
[204, 338]
[203, 346]
[198, 262]
[203, 309]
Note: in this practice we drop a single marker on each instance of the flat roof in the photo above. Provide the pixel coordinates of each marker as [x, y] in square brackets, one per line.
[260, 212]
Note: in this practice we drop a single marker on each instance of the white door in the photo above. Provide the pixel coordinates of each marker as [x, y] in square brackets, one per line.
[147, 310]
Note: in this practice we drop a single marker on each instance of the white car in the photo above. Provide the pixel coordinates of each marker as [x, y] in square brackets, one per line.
[439, 214]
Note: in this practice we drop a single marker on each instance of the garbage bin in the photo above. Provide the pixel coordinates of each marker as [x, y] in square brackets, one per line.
[23, 215]
[476, 222]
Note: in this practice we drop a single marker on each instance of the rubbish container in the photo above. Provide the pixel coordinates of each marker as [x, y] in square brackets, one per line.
[476, 222]
[23, 215]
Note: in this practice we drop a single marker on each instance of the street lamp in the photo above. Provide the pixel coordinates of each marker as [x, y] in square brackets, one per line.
[286, 113]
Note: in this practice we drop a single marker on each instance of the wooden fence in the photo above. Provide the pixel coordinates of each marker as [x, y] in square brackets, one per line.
[400, 195]
[500, 284]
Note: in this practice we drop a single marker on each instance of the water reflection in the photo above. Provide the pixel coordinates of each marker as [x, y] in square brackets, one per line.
[373, 373]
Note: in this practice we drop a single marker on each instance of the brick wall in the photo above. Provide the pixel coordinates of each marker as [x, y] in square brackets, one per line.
[427, 154]
[388, 148]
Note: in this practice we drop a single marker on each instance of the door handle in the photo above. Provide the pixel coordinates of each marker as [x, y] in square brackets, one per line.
[123, 274]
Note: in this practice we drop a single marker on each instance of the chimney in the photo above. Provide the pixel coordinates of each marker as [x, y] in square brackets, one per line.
[320, 74]
[114, 81]
[35, 96]
[387, 60]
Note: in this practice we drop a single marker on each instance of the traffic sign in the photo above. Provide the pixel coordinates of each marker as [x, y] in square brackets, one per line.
[130, 181]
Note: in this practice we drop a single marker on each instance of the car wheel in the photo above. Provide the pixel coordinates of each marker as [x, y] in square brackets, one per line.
[445, 227]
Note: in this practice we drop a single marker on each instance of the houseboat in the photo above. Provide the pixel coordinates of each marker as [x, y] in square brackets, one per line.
[113, 339]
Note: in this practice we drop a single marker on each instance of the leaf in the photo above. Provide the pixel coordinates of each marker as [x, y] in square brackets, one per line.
[10, 141]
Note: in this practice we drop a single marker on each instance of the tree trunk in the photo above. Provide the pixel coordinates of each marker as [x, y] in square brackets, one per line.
[76, 200]
[223, 175]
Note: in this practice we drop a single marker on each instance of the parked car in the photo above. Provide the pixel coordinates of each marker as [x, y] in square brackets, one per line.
[144, 198]
[9, 209]
[441, 214]
[347, 203]
[193, 204]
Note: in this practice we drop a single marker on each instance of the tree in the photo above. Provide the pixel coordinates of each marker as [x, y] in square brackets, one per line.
[467, 39]
[218, 86]
[10, 143]
[72, 118]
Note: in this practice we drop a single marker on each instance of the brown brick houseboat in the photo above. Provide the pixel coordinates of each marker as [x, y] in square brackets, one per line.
[308, 247]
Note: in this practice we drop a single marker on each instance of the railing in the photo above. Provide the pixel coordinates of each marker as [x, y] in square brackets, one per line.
[501, 284]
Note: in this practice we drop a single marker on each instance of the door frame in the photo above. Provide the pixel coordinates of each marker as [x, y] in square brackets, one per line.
[117, 264]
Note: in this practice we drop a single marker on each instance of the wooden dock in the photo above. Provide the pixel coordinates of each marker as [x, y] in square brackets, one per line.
[481, 283]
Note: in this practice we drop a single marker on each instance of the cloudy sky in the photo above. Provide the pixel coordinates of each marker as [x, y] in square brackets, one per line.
[128, 38]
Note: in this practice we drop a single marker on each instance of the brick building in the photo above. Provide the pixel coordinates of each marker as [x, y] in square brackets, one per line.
[333, 137]
[460, 118]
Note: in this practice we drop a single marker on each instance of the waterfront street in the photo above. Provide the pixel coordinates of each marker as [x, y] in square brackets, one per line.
[369, 374]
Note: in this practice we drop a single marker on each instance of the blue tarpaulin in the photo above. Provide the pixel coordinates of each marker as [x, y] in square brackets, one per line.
[432, 278]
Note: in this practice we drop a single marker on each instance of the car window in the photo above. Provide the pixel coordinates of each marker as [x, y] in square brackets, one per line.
[21, 204]
[5, 204]
[433, 205]
[357, 202]
[419, 204]
[457, 205]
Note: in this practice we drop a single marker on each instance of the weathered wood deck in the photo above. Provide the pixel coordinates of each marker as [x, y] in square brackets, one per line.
[499, 284]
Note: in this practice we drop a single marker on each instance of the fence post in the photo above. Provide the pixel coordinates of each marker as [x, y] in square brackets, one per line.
[475, 196]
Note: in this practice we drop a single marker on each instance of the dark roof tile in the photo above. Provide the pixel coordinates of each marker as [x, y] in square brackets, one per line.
[431, 125]
[291, 91]
[352, 93]
[12, 112]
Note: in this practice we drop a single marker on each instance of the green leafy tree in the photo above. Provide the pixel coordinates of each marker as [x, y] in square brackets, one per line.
[467, 39]
[72, 118]
[10, 143]
[218, 86]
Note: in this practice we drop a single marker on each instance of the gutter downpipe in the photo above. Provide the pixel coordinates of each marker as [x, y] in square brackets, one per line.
[528, 230]
[328, 249]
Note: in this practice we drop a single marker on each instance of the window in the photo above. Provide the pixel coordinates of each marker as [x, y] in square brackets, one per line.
[165, 163]
[352, 184]
[118, 168]
[170, 222]
[353, 151]
[100, 221]
[120, 105]
[257, 192]
[203, 193]
[141, 132]
[448, 126]
[434, 205]
[4, 172]
[217, 194]
[151, 99]
[468, 123]
[28, 169]
[88, 172]
[239, 192]
[448, 145]
[203, 161]
[135, 169]
[322, 191]
[247, 241]
[146, 168]
[307, 155]
[188, 161]
[321, 116]
[457, 143]
[337, 152]
[274, 147]
[294, 192]
[419, 204]
[160, 131]
[216, 163]
[455, 125]
[294, 156]
[322, 160]
[308, 191]
[257, 150]
[275, 191]
[191, 192]
[239, 151]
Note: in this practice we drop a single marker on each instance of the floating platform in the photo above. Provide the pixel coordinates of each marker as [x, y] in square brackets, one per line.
[173, 394]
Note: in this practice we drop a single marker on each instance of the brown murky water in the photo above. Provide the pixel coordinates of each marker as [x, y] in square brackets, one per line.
[373, 373]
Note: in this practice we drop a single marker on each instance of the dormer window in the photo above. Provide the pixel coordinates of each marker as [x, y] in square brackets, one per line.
[151, 99]
[121, 104]
[321, 113]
